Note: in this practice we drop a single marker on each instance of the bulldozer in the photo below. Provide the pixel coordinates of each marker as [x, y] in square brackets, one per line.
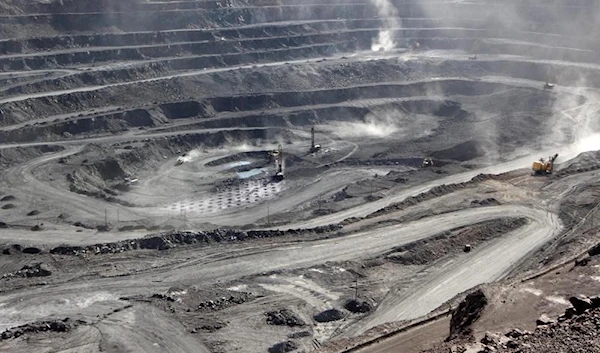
[544, 166]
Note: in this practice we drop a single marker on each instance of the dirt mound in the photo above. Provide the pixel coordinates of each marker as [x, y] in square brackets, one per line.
[434, 192]
[31, 250]
[284, 317]
[358, 307]
[462, 152]
[28, 271]
[300, 334]
[329, 315]
[468, 311]
[43, 326]
[582, 163]
[428, 250]
[283, 347]
[167, 241]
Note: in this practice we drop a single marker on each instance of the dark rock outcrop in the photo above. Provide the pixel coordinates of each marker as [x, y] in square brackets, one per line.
[329, 315]
[468, 311]
[358, 307]
[283, 347]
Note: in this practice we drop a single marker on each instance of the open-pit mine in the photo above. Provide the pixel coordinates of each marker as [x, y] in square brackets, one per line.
[285, 175]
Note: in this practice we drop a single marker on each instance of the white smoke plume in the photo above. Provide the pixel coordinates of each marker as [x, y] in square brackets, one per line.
[385, 123]
[390, 21]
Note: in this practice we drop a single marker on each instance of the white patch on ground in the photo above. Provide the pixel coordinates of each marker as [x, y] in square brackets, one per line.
[595, 278]
[178, 293]
[558, 300]
[238, 288]
[306, 290]
[100, 297]
[316, 270]
[245, 194]
[533, 291]
[323, 331]
[338, 269]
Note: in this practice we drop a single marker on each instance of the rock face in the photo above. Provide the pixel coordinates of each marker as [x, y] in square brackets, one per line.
[284, 317]
[468, 311]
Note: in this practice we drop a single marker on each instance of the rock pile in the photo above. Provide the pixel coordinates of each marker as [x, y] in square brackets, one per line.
[468, 311]
[221, 303]
[574, 331]
[36, 270]
[43, 326]
[283, 347]
[358, 307]
[329, 315]
[170, 240]
[433, 193]
[284, 317]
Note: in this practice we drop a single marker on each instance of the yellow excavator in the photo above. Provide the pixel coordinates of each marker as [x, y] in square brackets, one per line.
[544, 166]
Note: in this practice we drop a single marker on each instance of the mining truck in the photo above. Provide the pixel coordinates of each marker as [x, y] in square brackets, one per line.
[427, 162]
[548, 85]
[544, 166]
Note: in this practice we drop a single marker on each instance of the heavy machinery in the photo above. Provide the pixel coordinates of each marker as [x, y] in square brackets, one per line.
[313, 147]
[544, 166]
[548, 85]
[427, 162]
[278, 154]
[473, 57]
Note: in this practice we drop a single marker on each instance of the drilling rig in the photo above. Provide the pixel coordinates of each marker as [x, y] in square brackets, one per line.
[278, 154]
[313, 147]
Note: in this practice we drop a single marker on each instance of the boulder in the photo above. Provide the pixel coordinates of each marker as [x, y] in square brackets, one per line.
[467, 312]
[544, 320]
[581, 304]
[516, 333]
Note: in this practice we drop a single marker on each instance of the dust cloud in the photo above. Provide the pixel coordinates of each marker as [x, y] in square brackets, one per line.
[390, 20]
[385, 123]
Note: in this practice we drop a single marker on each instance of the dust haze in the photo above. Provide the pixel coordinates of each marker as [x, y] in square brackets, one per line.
[279, 176]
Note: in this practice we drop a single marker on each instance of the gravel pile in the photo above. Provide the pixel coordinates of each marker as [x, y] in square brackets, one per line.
[170, 240]
[43, 326]
[575, 331]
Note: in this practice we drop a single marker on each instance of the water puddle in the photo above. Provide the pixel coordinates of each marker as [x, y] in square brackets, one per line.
[250, 173]
[236, 164]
